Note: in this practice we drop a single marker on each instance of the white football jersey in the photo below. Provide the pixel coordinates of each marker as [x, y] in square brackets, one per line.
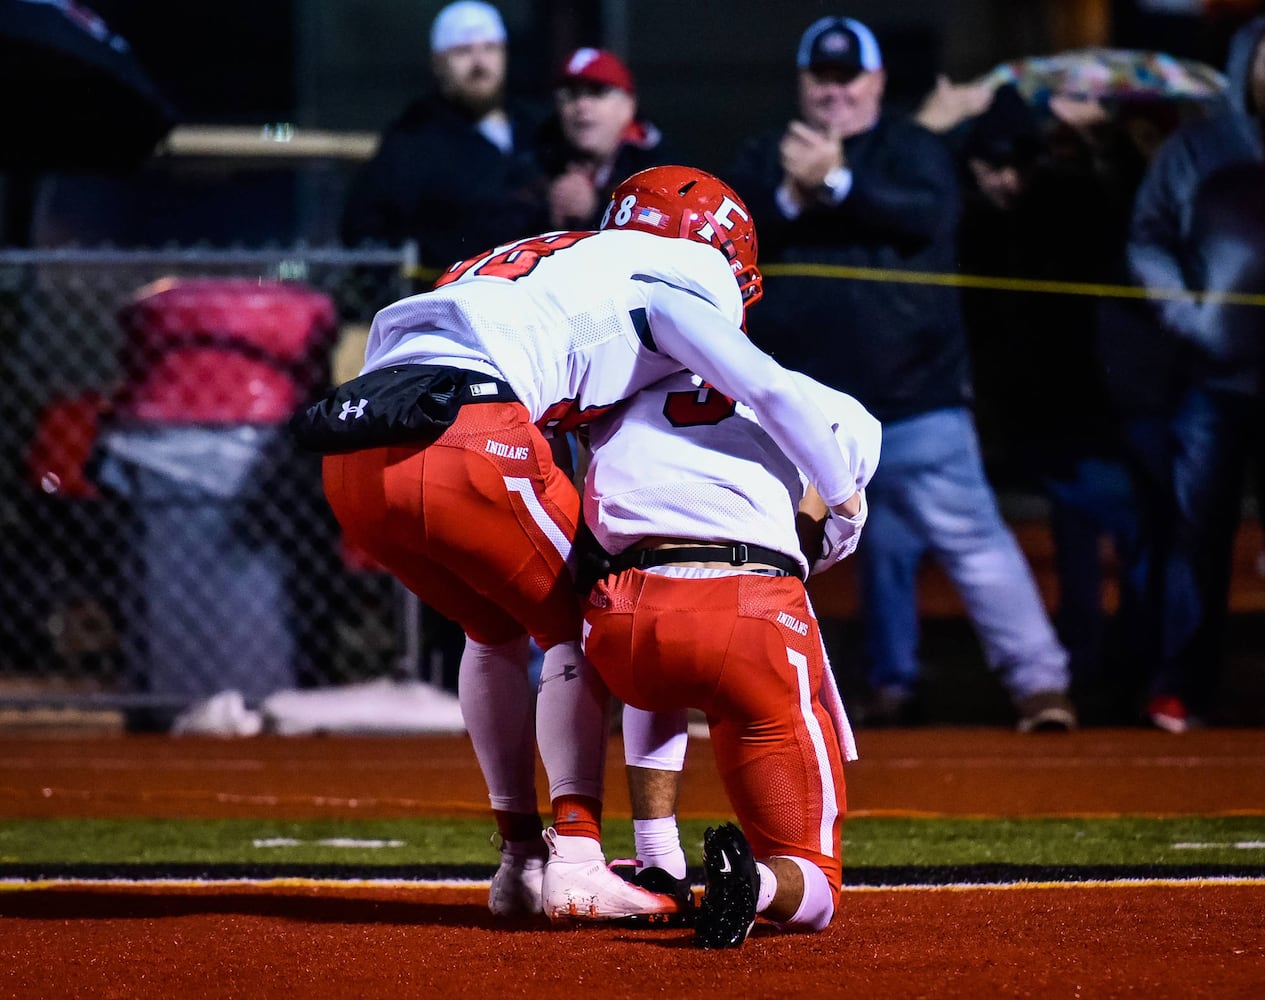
[680, 460]
[577, 322]
[560, 317]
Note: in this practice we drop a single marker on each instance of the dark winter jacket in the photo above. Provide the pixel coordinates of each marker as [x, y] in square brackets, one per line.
[1199, 225]
[1032, 352]
[899, 347]
[437, 180]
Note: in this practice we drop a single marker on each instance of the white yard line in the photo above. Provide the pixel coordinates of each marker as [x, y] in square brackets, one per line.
[1238, 845]
[484, 884]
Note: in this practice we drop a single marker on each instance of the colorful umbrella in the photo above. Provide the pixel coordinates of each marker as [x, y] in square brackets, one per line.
[1111, 74]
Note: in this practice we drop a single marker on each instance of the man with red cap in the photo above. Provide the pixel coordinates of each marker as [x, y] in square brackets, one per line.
[595, 138]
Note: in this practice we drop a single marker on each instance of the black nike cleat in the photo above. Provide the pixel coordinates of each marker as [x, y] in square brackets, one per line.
[727, 913]
[658, 880]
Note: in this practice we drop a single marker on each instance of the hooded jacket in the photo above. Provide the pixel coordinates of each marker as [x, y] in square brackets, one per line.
[899, 347]
[437, 180]
[1199, 225]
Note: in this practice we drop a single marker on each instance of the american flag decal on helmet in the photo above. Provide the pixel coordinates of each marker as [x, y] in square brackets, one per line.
[650, 216]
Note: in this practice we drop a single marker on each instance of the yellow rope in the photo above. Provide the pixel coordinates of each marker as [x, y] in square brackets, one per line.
[1006, 284]
[1086, 288]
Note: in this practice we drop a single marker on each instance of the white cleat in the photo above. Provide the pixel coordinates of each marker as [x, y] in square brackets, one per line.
[517, 883]
[579, 886]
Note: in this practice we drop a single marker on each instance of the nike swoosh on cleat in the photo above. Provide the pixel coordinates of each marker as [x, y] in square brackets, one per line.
[725, 867]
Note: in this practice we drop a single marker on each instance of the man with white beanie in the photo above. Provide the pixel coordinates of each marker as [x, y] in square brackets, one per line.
[456, 171]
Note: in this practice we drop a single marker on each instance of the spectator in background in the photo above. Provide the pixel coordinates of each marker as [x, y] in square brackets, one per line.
[456, 171]
[845, 185]
[1046, 198]
[1199, 225]
[595, 138]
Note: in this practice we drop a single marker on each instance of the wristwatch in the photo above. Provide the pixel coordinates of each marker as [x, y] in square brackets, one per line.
[836, 184]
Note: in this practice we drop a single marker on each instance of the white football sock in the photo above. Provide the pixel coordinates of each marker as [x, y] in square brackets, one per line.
[768, 887]
[496, 704]
[659, 845]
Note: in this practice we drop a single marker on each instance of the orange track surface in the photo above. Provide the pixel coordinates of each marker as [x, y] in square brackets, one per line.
[313, 940]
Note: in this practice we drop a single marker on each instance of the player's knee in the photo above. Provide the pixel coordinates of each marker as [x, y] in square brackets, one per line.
[817, 907]
[512, 648]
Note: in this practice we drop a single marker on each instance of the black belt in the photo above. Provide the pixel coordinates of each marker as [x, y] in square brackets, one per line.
[735, 555]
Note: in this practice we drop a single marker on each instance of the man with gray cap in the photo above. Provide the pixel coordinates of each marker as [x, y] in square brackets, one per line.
[844, 185]
[457, 170]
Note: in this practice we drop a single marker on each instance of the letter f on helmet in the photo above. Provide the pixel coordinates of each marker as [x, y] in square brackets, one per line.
[724, 217]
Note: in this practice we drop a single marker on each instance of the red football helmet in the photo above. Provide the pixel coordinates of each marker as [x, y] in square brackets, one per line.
[690, 204]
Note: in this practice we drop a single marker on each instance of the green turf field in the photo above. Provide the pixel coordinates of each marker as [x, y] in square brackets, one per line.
[1235, 843]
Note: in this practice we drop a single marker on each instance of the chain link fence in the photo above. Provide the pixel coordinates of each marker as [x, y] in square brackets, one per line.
[160, 539]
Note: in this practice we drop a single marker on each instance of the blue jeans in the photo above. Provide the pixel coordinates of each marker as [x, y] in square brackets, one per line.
[1092, 497]
[929, 497]
[1215, 436]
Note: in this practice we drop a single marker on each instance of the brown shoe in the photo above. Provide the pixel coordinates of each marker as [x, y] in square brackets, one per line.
[1047, 712]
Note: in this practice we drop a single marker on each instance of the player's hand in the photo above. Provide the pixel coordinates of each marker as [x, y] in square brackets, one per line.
[807, 155]
[1082, 113]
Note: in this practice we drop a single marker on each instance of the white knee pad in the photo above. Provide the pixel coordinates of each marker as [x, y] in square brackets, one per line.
[817, 908]
[655, 739]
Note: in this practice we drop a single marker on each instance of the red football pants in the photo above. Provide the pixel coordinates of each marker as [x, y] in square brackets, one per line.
[478, 524]
[747, 651]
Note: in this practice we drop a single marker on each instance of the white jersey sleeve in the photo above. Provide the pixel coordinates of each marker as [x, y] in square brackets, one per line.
[562, 317]
[859, 436]
[857, 431]
[698, 336]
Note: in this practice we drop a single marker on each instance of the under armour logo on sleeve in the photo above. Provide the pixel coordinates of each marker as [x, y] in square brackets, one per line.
[356, 411]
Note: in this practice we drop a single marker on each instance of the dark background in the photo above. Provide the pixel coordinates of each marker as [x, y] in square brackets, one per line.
[707, 70]
[709, 74]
